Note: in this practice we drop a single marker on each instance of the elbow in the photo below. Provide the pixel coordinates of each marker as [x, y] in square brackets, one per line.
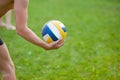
[20, 31]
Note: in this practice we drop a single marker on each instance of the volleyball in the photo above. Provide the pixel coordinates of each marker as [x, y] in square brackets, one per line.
[53, 30]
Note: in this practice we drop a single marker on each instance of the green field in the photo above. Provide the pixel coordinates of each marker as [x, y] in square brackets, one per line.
[92, 46]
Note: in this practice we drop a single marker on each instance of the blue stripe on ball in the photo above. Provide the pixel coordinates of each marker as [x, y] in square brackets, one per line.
[46, 30]
[64, 29]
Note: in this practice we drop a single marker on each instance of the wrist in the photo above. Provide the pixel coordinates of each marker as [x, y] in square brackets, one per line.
[45, 45]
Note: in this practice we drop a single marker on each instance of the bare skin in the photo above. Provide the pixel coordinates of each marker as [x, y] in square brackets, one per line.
[20, 13]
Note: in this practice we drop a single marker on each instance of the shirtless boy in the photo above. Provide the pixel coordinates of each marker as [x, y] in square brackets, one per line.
[20, 13]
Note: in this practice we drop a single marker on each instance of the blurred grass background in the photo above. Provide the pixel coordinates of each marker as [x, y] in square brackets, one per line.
[92, 46]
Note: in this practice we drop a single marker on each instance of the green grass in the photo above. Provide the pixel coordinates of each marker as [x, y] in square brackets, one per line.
[91, 50]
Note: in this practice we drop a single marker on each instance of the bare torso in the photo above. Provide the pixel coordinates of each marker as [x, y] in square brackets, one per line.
[5, 5]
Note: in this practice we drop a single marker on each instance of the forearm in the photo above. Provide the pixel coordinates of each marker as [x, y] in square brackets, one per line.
[30, 36]
[20, 12]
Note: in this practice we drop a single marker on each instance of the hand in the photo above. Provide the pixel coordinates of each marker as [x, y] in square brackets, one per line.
[56, 44]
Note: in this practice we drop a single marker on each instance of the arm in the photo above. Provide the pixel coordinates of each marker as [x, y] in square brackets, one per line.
[20, 11]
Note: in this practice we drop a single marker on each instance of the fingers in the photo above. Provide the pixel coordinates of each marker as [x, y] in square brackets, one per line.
[57, 44]
[60, 43]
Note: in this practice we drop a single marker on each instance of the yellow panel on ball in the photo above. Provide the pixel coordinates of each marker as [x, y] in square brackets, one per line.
[57, 24]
